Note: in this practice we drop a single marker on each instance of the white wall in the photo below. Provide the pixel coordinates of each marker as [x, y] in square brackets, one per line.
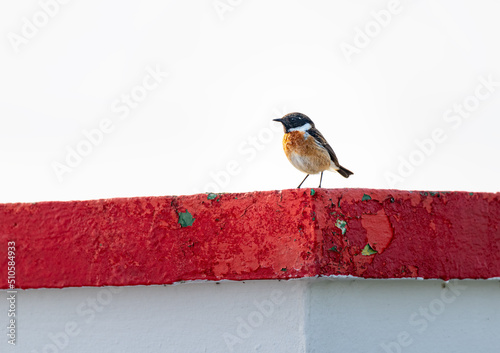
[228, 78]
[366, 315]
[316, 315]
[180, 318]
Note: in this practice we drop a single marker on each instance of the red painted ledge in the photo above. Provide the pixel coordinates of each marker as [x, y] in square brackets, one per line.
[260, 235]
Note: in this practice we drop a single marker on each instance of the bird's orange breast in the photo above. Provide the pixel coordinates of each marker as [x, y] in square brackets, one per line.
[294, 142]
[304, 153]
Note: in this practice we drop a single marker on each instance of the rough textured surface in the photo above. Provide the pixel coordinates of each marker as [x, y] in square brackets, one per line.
[261, 235]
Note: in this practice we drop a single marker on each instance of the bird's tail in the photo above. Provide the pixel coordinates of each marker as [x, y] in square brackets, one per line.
[344, 172]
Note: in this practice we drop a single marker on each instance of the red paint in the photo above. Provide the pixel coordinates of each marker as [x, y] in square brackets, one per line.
[379, 231]
[261, 235]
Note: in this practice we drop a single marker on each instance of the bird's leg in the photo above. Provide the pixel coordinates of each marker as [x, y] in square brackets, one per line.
[320, 179]
[298, 187]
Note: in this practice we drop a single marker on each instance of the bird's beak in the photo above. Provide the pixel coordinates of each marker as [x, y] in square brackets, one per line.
[278, 120]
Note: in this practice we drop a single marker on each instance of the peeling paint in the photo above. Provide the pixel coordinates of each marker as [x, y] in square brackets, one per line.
[133, 241]
[341, 225]
[368, 250]
[186, 219]
[379, 231]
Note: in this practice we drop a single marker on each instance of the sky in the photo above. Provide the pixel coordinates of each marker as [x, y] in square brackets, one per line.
[105, 99]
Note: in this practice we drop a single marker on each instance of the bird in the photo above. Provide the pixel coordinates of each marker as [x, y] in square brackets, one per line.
[307, 149]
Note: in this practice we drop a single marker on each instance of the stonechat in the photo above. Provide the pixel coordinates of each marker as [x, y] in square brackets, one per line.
[307, 149]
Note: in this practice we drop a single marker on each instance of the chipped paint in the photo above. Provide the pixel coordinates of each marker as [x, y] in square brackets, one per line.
[134, 241]
[340, 224]
[368, 250]
[186, 219]
[379, 231]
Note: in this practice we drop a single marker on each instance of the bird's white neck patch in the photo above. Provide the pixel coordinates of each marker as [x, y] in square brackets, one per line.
[302, 128]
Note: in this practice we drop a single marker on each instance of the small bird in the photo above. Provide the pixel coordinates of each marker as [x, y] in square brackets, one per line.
[307, 149]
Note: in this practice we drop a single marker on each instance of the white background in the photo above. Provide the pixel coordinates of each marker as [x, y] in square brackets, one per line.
[230, 74]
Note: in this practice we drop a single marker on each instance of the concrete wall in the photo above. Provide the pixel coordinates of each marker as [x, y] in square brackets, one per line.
[315, 315]
[403, 316]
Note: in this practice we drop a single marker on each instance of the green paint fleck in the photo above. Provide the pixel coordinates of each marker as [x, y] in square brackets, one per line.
[333, 248]
[341, 225]
[471, 193]
[368, 250]
[283, 269]
[366, 197]
[186, 219]
[211, 196]
[313, 192]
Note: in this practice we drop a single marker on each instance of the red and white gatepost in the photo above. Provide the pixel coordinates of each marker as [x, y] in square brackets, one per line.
[303, 270]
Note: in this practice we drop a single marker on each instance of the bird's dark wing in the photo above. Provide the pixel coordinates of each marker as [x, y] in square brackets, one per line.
[322, 142]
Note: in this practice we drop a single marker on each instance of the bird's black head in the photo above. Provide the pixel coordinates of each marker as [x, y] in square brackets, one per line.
[295, 121]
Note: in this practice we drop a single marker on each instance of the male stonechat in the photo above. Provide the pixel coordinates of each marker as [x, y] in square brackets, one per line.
[307, 149]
